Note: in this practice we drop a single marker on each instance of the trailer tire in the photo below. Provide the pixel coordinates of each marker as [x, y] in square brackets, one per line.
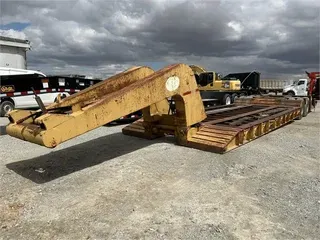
[301, 113]
[305, 108]
[5, 107]
[226, 100]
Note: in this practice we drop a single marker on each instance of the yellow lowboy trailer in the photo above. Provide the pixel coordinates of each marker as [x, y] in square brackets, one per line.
[140, 88]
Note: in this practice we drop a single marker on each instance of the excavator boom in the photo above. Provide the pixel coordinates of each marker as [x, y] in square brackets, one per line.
[140, 88]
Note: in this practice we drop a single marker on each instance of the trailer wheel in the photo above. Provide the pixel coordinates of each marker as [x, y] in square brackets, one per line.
[301, 113]
[305, 108]
[226, 100]
[5, 108]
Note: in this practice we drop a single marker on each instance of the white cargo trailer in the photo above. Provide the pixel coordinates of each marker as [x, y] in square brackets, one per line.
[13, 52]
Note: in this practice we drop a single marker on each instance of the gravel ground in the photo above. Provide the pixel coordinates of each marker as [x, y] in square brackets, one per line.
[104, 185]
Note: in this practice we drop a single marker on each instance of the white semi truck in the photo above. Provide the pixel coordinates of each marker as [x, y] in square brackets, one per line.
[298, 88]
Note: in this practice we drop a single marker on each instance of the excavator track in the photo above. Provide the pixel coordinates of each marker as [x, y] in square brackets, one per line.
[219, 129]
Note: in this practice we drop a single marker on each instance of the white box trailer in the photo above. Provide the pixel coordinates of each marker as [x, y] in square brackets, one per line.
[13, 52]
[273, 84]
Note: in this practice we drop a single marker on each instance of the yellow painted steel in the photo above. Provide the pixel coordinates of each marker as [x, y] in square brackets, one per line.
[197, 69]
[217, 84]
[120, 95]
[140, 88]
[222, 85]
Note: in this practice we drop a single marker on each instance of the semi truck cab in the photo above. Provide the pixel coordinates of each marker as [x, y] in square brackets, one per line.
[298, 88]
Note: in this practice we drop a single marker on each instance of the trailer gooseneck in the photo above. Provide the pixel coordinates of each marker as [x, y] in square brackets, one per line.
[140, 88]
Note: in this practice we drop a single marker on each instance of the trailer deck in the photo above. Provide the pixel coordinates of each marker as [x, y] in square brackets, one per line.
[229, 127]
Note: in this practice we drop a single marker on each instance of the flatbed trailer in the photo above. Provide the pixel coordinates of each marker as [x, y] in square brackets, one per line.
[16, 91]
[218, 130]
[228, 127]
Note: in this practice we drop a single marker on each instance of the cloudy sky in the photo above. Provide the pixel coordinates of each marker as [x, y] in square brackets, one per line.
[101, 37]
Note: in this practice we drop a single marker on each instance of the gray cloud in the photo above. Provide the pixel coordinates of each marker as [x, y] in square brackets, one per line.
[278, 38]
[302, 28]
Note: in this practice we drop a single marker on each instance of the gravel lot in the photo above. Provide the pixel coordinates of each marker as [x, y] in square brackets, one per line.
[104, 185]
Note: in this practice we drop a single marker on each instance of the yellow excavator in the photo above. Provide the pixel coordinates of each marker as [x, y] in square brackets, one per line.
[215, 89]
[141, 88]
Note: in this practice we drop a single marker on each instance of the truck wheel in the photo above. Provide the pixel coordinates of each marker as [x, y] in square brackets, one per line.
[234, 96]
[226, 99]
[290, 94]
[61, 97]
[5, 108]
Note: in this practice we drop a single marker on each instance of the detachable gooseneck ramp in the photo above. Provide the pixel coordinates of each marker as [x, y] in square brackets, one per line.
[140, 88]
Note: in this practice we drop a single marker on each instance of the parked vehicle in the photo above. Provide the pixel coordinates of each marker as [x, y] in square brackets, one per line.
[219, 90]
[298, 88]
[273, 85]
[215, 89]
[5, 71]
[252, 83]
[16, 90]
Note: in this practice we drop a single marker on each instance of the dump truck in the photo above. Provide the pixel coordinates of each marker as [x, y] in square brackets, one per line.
[219, 129]
[252, 83]
[274, 85]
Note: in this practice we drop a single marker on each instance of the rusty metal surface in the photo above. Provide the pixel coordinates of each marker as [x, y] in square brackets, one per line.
[229, 109]
[269, 100]
[237, 116]
[228, 131]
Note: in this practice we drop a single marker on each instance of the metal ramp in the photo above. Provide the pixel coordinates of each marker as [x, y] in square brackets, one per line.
[229, 127]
